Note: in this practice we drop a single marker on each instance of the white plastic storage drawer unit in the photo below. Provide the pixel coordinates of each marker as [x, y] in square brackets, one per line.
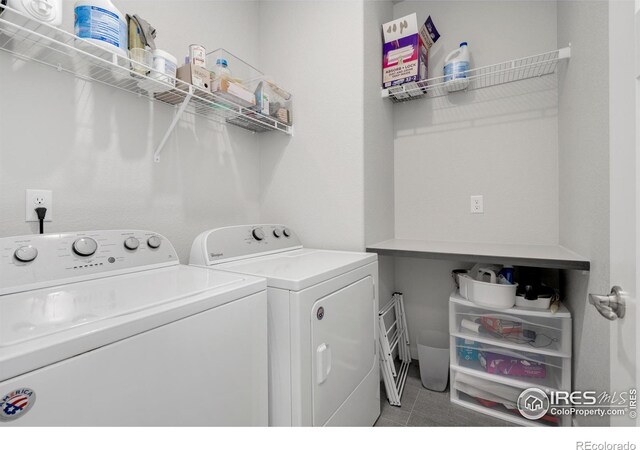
[493, 399]
[508, 350]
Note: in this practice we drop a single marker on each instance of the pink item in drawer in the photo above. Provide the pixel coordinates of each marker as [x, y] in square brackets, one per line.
[511, 366]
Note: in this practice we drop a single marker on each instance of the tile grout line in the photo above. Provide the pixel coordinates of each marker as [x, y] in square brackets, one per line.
[413, 405]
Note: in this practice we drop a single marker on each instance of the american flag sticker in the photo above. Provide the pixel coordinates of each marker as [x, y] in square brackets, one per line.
[16, 403]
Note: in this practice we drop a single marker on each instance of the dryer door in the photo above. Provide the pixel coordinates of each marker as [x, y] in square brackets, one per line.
[343, 346]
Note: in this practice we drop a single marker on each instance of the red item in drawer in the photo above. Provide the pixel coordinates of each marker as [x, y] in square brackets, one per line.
[501, 326]
[487, 403]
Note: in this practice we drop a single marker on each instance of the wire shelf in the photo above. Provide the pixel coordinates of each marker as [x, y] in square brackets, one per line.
[483, 77]
[32, 40]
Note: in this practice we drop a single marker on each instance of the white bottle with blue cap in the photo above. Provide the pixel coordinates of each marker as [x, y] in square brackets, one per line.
[456, 66]
[221, 70]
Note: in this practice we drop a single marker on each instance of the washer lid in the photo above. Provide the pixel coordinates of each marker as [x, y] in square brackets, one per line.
[44, 326]
[299, 269]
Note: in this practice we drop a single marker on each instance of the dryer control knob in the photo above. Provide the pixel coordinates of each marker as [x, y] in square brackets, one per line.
[26, 253]
[154, 241]
[258, 234]
[131, 243]
[85, 246]
[286, 232]
[277, 232]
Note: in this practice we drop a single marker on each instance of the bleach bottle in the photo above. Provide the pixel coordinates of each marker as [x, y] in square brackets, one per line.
[100, 22]
[456, 66]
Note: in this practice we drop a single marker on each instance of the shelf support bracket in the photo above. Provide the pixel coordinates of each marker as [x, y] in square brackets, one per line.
[174, 122]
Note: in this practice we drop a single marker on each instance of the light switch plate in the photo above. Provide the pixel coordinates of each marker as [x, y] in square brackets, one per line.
[36, 198]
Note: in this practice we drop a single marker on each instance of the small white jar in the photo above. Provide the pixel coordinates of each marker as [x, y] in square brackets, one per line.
[165, 66]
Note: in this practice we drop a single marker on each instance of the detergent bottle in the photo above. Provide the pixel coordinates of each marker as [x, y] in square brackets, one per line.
[100, 22]
[456, 66]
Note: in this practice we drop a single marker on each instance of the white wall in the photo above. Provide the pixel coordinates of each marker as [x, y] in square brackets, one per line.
[379, 215]
[498, 142]
[315, 181]
[378, 130]
[584, 182]
[426, 285]
[93, 145]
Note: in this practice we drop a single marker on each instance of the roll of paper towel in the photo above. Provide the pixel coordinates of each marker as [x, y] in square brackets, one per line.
[470, 325]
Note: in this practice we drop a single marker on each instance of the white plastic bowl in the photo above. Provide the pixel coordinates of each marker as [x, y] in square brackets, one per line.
[490, 295]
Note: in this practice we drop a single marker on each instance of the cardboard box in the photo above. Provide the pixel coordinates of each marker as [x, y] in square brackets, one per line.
[428, 36]
[405, 50]
[200, 77]
[233, 92]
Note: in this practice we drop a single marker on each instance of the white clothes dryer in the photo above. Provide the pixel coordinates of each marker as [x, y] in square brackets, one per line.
[322, 309]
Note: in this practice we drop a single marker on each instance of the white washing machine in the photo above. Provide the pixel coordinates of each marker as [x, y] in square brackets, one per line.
[322, 308]
[107, 328]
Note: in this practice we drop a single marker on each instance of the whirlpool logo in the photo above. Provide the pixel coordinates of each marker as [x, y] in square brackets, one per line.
[16, 403]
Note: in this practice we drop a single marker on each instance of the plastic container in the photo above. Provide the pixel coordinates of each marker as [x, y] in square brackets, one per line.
[198, 55]
[455, 273]
[141, 60]
[433, 355]
[164, 70]
[100, 22]
[490, 295]
[165, 66]
[221, 69]
[47, 11]
[456, 65]
[274, 101]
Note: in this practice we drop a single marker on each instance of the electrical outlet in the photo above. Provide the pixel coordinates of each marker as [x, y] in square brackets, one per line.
[36, 198]
[477, 204]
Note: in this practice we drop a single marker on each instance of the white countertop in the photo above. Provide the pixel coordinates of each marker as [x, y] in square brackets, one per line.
[547, 256]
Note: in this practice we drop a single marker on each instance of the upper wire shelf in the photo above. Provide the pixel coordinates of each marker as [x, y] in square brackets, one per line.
[482, 77]
[32, 40]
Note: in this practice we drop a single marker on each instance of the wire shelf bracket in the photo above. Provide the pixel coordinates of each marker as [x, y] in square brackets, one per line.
[483, 77]
[176, 118]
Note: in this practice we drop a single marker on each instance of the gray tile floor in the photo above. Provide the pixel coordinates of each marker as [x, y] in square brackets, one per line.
[424, 408]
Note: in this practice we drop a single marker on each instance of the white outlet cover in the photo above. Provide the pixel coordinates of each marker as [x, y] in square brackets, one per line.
[35, 198]
[477, 204]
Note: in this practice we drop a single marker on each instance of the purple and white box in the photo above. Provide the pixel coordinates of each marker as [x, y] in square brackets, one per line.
[405, 50]
[400, 51]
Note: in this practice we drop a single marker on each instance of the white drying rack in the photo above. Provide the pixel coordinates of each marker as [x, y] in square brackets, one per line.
[394, 337]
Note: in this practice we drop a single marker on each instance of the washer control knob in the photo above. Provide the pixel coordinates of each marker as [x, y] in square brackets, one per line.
[131, 243]
[277, 232]
[85, 246]
[26, 253]
[258, 234]
[286, 232]
[154, 241]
